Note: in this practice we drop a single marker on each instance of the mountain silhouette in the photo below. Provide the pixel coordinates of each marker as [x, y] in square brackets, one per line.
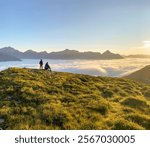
[66, 54]
[110, 55]
[138, 56]
[6, 57]
[142, 75]
[12, 52]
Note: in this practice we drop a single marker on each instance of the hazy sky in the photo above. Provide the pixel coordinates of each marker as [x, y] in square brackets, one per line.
[123, 26]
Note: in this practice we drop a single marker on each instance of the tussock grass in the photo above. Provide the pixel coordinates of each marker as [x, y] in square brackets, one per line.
[37, 99]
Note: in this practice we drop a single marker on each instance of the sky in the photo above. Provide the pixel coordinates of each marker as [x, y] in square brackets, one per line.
[122, 26]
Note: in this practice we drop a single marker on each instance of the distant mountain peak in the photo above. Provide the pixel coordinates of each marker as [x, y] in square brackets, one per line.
[29, 51]
[44, 52]
[68, 50]
[107, 52]
[8, 48]
[7, 57]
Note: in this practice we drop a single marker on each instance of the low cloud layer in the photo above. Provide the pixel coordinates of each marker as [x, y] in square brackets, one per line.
[113, 68]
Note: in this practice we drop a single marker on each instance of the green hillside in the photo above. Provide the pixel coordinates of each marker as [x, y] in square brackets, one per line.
[38, 99]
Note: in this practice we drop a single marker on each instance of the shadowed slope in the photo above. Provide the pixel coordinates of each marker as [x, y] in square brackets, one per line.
[142, 75]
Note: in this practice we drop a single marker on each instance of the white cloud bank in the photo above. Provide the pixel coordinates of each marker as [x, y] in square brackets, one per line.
[113, 68]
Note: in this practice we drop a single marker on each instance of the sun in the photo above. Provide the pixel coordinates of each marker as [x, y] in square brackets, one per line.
[146, 44]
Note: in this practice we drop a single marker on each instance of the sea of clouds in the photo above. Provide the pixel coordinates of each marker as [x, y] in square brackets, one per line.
[113, 68]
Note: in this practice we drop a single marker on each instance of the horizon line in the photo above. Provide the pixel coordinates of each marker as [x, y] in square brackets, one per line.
[74, 50]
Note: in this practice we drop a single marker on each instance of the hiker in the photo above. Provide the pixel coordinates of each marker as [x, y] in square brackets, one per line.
[47, 67]
[41, 64]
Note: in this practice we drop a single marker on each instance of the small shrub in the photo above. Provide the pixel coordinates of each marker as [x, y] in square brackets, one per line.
[101, 106]
[107, 93]
[122, 124]
[142, 120]
[147, 94]
[68, 99]
[101, 109]
[84, 78]
[134, 103]
[87, 126]
[55, 117]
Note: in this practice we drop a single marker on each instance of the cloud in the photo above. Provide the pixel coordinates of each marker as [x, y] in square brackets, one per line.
[113, 68]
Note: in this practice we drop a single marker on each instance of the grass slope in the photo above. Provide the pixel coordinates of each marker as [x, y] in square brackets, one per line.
[37, 99]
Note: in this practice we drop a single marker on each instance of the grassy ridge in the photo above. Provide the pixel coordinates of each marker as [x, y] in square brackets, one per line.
[37, 99]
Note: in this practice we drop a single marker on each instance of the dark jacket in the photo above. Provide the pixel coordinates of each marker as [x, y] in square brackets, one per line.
[47, 66]
[41, 62]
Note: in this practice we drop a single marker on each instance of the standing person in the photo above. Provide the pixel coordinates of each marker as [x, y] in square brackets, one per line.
[41, 64]
[47, 67]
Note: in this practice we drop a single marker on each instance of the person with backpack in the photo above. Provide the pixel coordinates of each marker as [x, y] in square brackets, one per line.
[41, 64]
[47, 67]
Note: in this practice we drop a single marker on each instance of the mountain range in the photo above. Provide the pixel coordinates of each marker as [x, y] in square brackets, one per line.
[138, 56]
[65, 55]
[7, 57]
